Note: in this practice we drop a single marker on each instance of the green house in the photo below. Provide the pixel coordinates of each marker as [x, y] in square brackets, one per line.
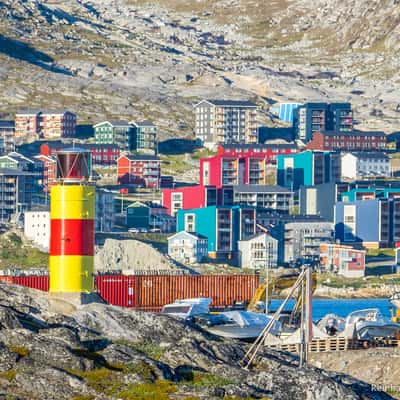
[119, 133]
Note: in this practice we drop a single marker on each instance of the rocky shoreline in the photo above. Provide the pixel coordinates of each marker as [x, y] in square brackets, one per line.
[105, 352]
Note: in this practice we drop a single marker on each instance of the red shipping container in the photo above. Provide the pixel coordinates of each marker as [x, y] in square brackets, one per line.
[118, 290]
[40, 282]
[7, 278]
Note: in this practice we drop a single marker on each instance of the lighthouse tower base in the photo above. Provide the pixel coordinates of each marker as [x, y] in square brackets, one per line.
[68, 303]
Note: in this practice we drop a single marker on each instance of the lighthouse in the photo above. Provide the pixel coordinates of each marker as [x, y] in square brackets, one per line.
[72, 224]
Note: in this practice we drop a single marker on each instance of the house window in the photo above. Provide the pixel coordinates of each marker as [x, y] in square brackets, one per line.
[190, 222]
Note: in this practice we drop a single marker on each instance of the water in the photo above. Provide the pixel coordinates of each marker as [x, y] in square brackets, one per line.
[340, 307]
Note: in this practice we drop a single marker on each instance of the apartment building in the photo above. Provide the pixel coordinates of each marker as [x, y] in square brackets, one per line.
[225, 121]
[268, 197]
[33, 124]
[259, 252]
[47, 171]
[142, 170]
[301, 236]
[144, 137]
[105, 210]
[371, 222]
[119, 133]
[308, 168]
[7, 136]
[16, 190]
[365, 165]
[102, 154]
[223, 227]
[37, 227]
[342, 260]
[347, 141]
[314, 117]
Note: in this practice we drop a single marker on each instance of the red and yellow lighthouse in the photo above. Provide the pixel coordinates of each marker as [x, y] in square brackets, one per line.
[72, 214]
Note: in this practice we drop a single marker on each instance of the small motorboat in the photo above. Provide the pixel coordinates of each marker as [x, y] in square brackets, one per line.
[244, 325]
[187, 309]
[371, 324]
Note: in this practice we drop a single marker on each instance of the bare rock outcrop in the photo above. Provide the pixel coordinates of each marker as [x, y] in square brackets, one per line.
[107, 352]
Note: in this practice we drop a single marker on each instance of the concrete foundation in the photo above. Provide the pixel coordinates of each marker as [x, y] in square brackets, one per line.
[68, 303]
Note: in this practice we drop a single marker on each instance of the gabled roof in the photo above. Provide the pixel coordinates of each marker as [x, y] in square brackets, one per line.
[193, 234]
[115, 124]
[377, 155]
[260, 146]
[142, 123]
[229, 103]
[148, 204]
[260, 189]
[352, 133]
[14, 156]
[140, 157]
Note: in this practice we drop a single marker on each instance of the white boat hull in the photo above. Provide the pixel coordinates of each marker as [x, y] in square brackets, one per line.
[236, 332]
[368, 330]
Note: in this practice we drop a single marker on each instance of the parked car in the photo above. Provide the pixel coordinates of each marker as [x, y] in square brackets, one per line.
[133, 230]
[143, 230]
[158, 230]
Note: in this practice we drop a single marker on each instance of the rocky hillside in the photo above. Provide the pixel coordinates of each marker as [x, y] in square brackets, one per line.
[106, 352]
[154, 59]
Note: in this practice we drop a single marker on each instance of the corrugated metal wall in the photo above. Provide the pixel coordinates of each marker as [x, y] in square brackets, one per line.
[151, 292]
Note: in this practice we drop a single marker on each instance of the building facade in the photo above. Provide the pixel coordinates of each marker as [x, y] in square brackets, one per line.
[16, 192]
[342, 260]
[141, 170]
[307, 169]
[365, 165]
[32, 124]
[269, 197]
[347, 141]
[102, 154]
[7, 136]
[144, 137]
[225, 121]
[188, 247]
[37, 228]
[258, 252]
[105, 210]
[222, 226]
[48, 171]
[119, 133]
[314, 117]
[373, 223]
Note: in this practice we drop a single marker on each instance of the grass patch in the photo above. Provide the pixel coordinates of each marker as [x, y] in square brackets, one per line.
[20, 350]
[150, 349]
[380, 252]
[84, 397]
[15, 254]
[9, 375]
[200, 379]
[159, 390]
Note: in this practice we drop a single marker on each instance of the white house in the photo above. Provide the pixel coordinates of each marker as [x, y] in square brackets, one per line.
[37, 228]
[188, 247]
[365, 164]
[258, 252]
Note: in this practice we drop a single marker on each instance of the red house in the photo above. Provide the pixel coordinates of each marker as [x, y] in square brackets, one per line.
[347, 141]
[102, 154]
[141, 170]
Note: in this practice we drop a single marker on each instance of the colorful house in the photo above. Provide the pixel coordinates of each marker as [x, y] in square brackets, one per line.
[188, 247]
[308, 168]
[141, 170]
[144, 137]
[119, 133]
[343, 260]
[223, 226]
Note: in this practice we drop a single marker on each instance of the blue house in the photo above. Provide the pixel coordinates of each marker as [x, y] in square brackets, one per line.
[222, 225]
[373, 223]
[307, 169]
